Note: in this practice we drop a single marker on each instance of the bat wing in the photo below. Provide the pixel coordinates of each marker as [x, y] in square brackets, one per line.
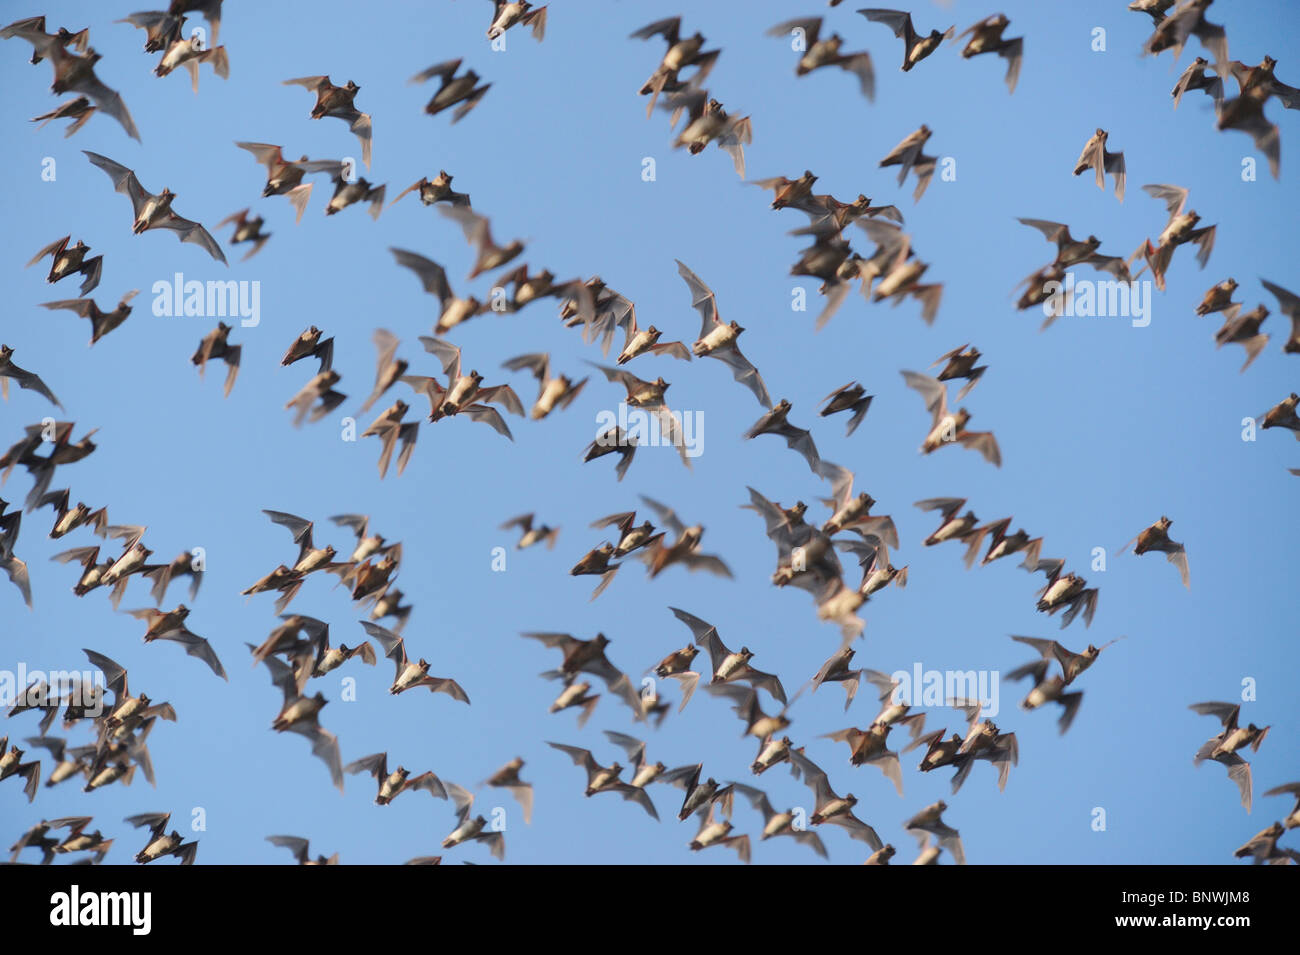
[190, 231]
[110, 101]
[124, 180]
[744, 372]
[433, 277]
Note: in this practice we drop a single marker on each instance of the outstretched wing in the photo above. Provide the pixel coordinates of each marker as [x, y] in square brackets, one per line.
[124, 180]
[702, 299]
[744, 372]
[190, 231]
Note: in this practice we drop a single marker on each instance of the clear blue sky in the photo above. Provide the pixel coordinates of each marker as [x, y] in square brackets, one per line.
[1103, 427]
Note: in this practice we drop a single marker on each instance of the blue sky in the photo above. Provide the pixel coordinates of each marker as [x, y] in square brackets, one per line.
[1103, 427]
